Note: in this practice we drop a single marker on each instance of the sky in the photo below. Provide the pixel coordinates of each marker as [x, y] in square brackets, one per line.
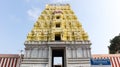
[100, 19]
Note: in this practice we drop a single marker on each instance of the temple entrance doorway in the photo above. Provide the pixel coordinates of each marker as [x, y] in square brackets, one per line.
[58, 57]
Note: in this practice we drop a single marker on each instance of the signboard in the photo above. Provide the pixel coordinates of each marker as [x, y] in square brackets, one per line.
[100, 61]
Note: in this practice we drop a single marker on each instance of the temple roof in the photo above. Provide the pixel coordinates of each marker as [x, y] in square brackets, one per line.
[114, 58]
[57, 22]
[9, 60]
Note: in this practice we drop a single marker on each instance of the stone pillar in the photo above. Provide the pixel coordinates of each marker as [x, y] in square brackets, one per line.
[40, 53]
[88, 54]
[79, 52]
[50, 57]
[34, 53]
[68, 52]
[85, 52]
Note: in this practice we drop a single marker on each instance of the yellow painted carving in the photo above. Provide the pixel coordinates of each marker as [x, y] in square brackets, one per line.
[57, 19]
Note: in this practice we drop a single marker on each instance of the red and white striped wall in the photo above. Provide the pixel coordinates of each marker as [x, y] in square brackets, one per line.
[114, 58]
[13, 60]
[9, 60]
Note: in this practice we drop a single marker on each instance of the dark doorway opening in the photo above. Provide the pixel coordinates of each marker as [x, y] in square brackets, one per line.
[58, 53]
[57, 66]
[57, 25]
[57, 37]
[58, 17]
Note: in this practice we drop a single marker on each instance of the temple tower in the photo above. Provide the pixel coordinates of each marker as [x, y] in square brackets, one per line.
[57, 33]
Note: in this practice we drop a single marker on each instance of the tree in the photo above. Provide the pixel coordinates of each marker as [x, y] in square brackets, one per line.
[114, 45]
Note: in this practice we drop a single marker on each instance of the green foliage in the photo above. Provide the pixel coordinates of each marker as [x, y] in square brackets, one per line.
[114, 45]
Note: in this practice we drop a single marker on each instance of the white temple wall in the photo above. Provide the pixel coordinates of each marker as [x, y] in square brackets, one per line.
[76, 55]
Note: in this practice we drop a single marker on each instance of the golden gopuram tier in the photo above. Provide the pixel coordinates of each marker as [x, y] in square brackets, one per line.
[57, 22]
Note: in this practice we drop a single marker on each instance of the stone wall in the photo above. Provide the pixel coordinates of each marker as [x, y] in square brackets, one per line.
[40, 55]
